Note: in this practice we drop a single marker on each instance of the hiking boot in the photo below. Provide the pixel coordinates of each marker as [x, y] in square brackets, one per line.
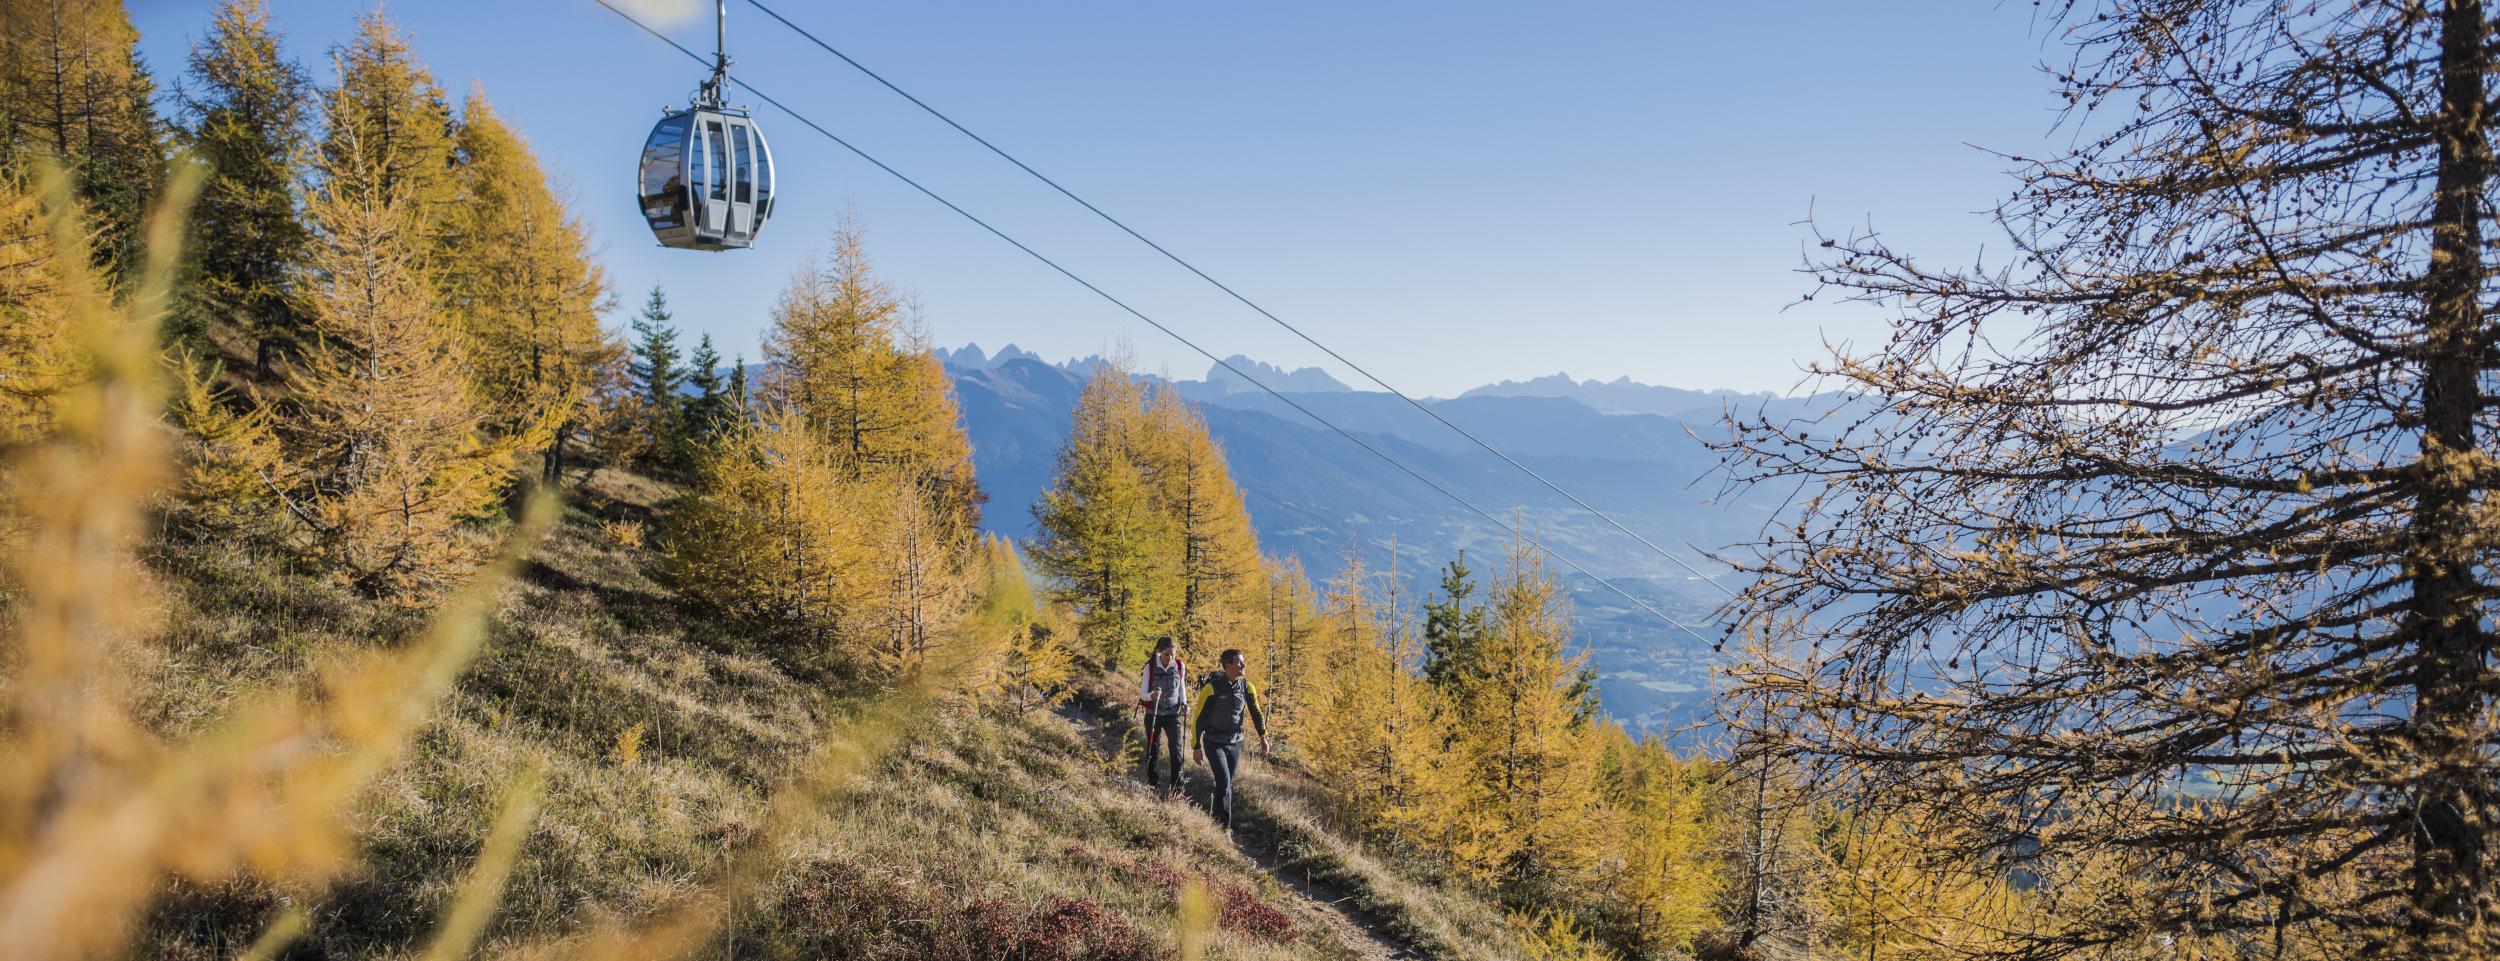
[1163, 793]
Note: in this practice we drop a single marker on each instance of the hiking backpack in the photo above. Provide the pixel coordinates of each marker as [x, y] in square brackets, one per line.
[1167, 687]
[1227, 702]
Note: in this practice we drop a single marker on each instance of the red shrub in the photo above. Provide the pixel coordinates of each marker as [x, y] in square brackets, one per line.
[1238, 909]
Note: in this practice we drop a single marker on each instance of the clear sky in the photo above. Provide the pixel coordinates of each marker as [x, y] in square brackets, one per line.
[1450, 193]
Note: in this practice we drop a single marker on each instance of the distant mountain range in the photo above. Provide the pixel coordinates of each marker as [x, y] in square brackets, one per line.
[1634, 450]
[1623, 395]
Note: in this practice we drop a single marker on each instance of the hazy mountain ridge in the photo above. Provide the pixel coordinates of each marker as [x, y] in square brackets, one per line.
[1623, 395]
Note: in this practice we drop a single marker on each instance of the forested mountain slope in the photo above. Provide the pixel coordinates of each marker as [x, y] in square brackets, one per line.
[1314, 496]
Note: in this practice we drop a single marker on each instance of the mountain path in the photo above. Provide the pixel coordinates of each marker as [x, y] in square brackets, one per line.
[1109, 730]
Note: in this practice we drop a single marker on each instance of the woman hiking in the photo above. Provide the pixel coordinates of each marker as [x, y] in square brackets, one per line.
[1163, 695]
[1225, 699]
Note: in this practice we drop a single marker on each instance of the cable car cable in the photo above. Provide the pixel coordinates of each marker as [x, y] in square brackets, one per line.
[1174, 334]
[1245, 301]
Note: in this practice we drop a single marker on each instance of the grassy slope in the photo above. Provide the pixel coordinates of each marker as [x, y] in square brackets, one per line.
[981, 835]
[1283, 821]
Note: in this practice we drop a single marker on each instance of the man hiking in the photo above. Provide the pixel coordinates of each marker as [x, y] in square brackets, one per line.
[1225, 698]
[1163, 695]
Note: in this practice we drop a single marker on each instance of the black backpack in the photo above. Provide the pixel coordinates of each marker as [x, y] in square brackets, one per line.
[1226, 704]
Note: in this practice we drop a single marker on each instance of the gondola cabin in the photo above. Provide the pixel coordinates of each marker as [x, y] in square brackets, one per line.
[707, 179]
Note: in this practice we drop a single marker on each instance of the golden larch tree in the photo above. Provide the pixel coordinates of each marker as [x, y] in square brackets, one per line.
[1340, 694]
[1104, 543]
[1372, 729]
[519, 283]
[388, 118]
[1218, 559]
[1289, 611]
[1887, 892]
[73, 92]
[775, 536]
[1536, 779]
[230, 454]
[845, 354]
[923, 576]
[386, 441]
[1670, 867]
[40, 282]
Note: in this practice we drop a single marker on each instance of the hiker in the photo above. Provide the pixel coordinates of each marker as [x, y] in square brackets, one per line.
[1163, 695]
[1224, 699]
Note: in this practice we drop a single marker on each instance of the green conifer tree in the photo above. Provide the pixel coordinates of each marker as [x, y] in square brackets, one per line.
[704, 410]
[1454, 627]
[658, 379]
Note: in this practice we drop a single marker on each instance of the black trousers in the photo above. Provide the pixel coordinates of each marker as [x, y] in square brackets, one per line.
[1165, 728]
[1222, 763]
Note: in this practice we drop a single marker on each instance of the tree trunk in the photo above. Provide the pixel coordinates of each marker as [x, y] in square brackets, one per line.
[554, 474]
[2452, 870]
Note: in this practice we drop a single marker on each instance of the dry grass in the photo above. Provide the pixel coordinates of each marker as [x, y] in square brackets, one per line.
[967, 822]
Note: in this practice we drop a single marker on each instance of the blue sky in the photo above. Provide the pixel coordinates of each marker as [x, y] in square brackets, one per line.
[1450, 193]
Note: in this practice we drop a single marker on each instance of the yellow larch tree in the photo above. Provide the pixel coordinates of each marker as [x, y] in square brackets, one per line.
[386, 441]
[48, 282]
[1020, 651]
[1103, 542]
[1218, 559]
[922, 576]
[1290, 614]
[1886, 894]
[1539, 832]
[1372, 728]
[73, 92]
[230, 454]
[773, 535]
[846, 511]
[518, 282]
[1341, 697]
[1670, 870]
[844, 353]
[1418, 788]
[387, 117]
[40, 280]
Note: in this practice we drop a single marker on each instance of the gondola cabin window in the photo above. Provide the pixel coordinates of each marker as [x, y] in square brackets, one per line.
[663, 177]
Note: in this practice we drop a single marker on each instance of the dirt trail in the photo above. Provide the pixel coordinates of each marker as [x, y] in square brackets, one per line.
[1115, 733]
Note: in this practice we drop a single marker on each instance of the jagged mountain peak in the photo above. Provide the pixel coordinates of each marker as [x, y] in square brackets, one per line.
[972, 357]
[1302, 380]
